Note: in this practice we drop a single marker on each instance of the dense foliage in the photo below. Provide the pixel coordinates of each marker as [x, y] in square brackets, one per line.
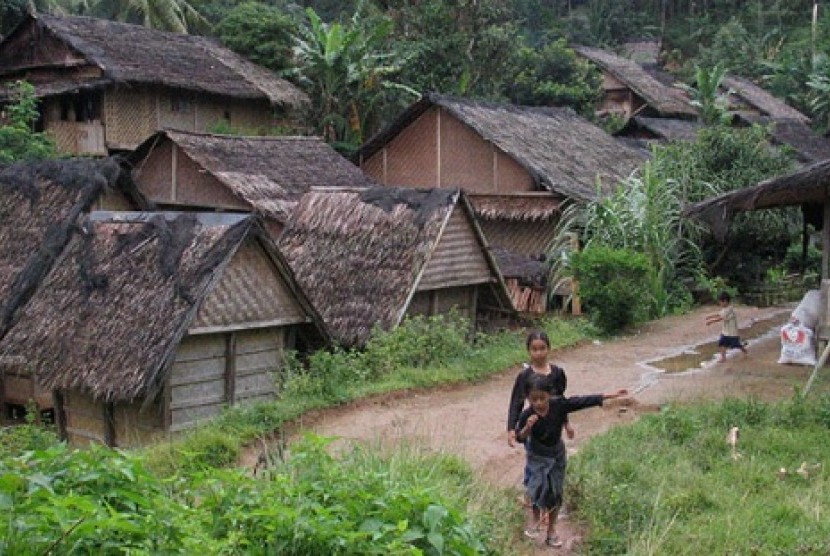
[18, 139]
[58, 500]
[671, 484]
[613, 284]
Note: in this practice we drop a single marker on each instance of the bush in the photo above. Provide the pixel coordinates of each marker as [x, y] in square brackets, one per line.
[613, 285]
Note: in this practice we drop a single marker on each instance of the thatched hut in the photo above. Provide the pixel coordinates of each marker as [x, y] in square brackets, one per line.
[152, 322]
[518, 164]
[807, 187]
[629, 90]
[751, 104]
[265, 175]
[41, 205]
[106, 85]
[372, 256]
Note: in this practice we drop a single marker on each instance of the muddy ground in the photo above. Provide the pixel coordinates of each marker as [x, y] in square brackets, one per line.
[469, 420]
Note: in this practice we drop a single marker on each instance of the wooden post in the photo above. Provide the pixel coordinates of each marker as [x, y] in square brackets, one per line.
[576, 301]
[230, 368]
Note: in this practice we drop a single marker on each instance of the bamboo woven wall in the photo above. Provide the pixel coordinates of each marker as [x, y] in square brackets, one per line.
[250, 291]
[85, 422]
[411, 156]
[135, 426]
[458, 258]
[130, 116]
[466, 158]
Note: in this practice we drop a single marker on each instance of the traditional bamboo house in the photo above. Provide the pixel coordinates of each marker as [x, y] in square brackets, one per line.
[372, 256]
[629, 90]
[106, 86]
[518, 164]
[152, 322]
[660, 130]
[40, 207]
[266, 175]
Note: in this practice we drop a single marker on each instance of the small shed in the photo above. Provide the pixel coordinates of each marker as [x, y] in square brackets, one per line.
[660, 130]
[265, 175]
[807, 187]
[153, 322]
[747, 97]
[106, 85]
[629, 90]
[518, 164]
[41, 204]
[372, 256]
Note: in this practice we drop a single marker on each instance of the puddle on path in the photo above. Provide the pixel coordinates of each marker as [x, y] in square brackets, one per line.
[698, 356]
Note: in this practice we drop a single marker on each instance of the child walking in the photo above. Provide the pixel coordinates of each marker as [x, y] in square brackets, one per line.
[729, 337]
[552, 378]
[541, 425]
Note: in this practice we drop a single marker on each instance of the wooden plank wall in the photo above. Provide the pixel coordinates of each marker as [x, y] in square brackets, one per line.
[258, 358]
[458, 258]
[197, 380]
[85, 421]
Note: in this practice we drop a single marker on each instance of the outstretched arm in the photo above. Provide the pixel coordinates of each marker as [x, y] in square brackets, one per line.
[621, 393]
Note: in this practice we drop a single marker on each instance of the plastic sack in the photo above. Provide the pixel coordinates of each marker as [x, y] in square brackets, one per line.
[798, 346]
[807, 312]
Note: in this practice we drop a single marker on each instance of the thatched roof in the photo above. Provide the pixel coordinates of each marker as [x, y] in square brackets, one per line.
[524, 207]
[666, 101]
[268, 173]
[808, 145]
[806, 186]
[41, 204]
[668, 129]
[133, 54]
[108, 319]
[359, 253]
[758, 98]
[563, 152]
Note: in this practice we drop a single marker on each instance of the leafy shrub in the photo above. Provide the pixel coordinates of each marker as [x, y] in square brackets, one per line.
[418, 342]
[17, 140]
[613, 284]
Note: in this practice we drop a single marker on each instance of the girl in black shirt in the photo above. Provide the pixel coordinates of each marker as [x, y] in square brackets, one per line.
[541, 425]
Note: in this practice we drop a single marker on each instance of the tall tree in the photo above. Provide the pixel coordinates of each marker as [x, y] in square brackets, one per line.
[263, 34]
[179, 16]
[348, 72]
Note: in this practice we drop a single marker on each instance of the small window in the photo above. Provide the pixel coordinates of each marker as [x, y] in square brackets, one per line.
[180, 103]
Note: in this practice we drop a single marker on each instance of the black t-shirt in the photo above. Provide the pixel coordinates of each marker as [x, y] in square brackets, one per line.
[547, 432]
[556, 382]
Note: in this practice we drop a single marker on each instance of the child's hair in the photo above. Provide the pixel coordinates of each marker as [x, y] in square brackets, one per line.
[536, 382]
[537, 335]
[724, 296]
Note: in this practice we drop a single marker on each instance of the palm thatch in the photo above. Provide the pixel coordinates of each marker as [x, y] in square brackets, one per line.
[665, 101]
[108, 319]
[666, 129]
[808, 145]
[522, 207]
[133, 54]
[41, 204]
[756, 97]
[562, 151]
[268, 173]
[359, 253]
[806, 186]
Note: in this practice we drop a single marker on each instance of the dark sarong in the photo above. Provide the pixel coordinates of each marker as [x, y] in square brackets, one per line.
[547, 478]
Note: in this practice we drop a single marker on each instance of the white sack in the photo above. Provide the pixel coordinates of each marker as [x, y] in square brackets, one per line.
[798, 346]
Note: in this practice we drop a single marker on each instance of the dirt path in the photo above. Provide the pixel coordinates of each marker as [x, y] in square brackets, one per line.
[470, 420]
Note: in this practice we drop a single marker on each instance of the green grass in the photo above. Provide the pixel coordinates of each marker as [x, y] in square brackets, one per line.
[220, 442]
[669, 483]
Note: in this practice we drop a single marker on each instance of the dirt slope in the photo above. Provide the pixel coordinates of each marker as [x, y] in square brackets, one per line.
[470, 420]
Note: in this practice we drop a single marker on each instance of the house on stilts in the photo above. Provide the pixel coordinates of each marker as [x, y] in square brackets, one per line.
[517, 164]
[141, 324]
[105, 86]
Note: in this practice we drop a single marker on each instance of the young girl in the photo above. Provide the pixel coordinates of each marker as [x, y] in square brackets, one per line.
[538, 347]
[541, 425]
